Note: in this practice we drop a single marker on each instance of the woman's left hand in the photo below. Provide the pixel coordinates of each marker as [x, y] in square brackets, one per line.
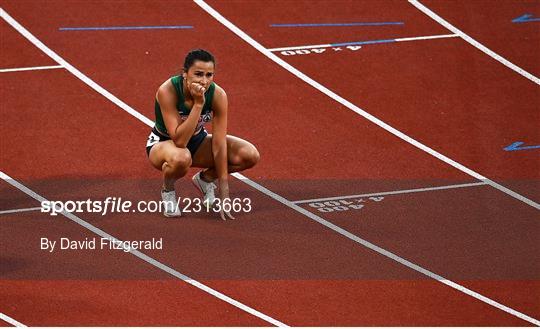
[224, 197]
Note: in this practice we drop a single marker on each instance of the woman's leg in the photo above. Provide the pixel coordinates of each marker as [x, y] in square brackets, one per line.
[241, 155]
[174, 162]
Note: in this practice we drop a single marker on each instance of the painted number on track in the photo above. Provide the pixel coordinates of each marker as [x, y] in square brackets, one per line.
[315, 51]
[303, 52]
[343, 205]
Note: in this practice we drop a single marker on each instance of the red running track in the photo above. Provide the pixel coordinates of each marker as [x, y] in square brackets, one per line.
[273, 259]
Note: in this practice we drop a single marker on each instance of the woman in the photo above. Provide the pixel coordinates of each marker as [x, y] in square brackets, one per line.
[178, 140]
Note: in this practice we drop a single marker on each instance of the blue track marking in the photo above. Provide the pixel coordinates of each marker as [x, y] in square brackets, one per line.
[363, 42]
[516, 146]
[109, 28]
[337, 24]
[525, 19]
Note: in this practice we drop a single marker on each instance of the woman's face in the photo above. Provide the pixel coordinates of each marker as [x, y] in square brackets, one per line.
[200, 72]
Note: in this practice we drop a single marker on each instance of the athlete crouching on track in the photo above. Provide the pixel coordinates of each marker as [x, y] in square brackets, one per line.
[178, 140]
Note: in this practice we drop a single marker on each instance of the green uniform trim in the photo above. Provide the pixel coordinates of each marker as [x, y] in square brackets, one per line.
[183, 110]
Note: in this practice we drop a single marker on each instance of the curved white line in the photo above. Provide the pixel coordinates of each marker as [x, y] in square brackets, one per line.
[473, 42]
[394, 131]
[358, 110]
[11, 320]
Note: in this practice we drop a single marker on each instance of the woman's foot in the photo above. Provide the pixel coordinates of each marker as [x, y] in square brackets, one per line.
[170, 203]
[206, 188]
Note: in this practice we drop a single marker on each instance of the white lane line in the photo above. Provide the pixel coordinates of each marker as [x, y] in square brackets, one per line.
[303, 211]
[358, 110]
[146, 258]
[71, 68]
[11, 211]
[328, 45]
[148, 122]
[385, 252]
[473, 42]
[429, 37]
[34, 68]
[329, 225]
[11, 320]
[425, 189]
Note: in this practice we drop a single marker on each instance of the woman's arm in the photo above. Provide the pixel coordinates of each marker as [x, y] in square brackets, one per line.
[219, 133]
[219, 145]
[180, 131]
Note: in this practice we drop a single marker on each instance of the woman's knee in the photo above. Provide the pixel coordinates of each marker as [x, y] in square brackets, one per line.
[249, 156]
[180, 159]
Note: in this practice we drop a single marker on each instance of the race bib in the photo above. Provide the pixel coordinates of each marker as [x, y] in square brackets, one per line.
[152, 139]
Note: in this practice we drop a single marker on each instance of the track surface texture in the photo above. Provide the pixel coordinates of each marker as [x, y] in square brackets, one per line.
[351, 225]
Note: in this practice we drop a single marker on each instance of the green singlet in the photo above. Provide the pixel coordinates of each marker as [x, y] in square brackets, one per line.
[183, 110]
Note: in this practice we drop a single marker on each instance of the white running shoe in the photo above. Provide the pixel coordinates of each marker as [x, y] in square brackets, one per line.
[170, 203]
[207, 189]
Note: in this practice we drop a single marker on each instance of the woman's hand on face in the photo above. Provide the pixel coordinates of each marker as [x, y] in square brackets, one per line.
[197, 92]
